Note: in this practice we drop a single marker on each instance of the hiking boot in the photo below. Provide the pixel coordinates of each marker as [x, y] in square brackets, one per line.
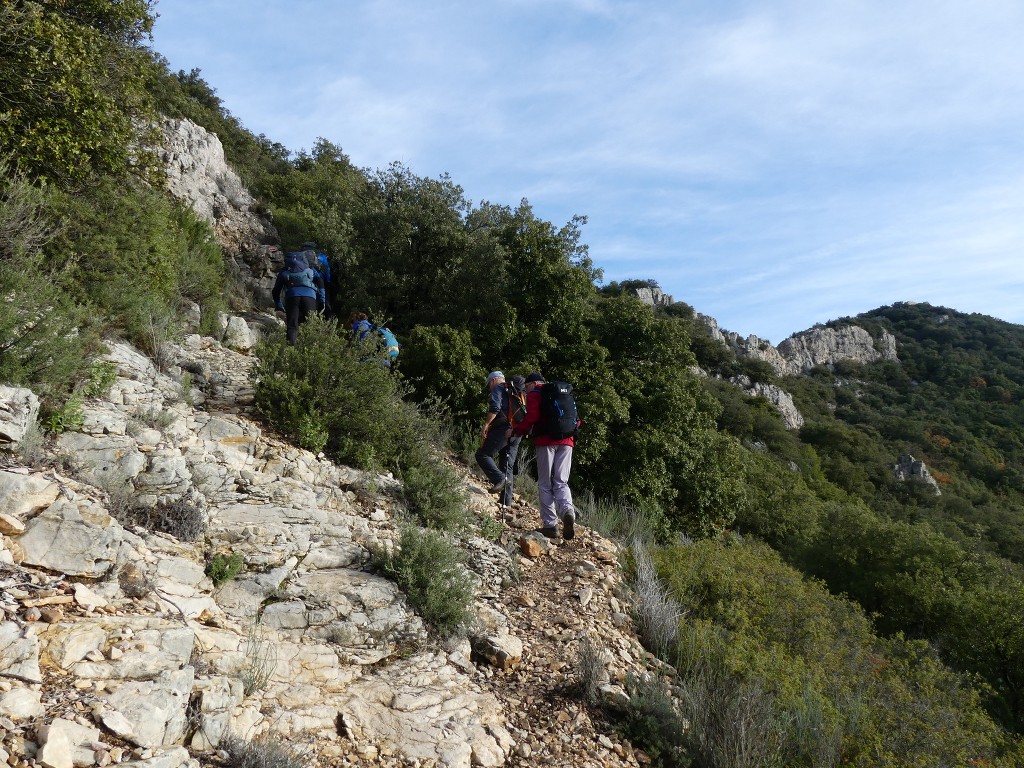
[549, 532]
[569, 526]
[498, 487]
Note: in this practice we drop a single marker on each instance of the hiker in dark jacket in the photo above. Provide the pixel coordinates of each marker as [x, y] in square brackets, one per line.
[554, 461]
[302, 287]
[497, 439]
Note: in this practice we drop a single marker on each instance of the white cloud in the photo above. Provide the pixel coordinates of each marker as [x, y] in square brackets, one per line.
[778, 163]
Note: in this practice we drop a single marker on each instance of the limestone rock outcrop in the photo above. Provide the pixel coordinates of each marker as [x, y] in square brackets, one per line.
[910, 469]
[18, 410]
[651, 295]
[827, 346]
[752, 346]
[799, 354]
[803, 351]
[780, 399]
[199, 175]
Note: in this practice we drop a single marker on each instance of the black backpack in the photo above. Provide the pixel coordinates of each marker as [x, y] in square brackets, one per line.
[558, 416]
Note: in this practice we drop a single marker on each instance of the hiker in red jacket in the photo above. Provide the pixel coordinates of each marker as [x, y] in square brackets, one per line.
[554, 460]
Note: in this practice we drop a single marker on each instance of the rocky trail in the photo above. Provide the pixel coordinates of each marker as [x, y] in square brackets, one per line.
[117, 647]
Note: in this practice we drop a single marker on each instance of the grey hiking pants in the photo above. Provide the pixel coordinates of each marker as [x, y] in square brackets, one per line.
[553, 465]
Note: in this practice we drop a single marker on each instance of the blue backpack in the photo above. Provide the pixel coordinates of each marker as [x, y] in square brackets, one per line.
[302, 277]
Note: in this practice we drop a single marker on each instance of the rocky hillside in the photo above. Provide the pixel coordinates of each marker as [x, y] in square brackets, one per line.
[118, 647]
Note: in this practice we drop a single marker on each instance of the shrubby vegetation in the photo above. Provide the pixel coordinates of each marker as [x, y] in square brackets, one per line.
[332, 395]
[87, 246]
[806, 675]
[431, 570]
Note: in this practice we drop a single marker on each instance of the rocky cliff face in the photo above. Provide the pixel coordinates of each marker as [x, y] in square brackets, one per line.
[652, 296]
[909, 469]
[780, 399]
[117, 647]
[799, 354]
[802, 351]
[827, 346]
[198, 174]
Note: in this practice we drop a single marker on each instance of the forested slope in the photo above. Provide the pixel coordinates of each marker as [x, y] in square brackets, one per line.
[469, 287]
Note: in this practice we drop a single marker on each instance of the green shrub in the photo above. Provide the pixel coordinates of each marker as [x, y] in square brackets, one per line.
[71, 82]
[431, 570]
[45, 337]
[772, 666]
[320, 386]
[102, 376]
[69, 416]
[325, 394]
[222, 568]
[652, 722]
[433, 492]
[138, 255]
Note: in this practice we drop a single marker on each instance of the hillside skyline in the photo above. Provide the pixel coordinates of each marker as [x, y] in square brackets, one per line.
[773, 167]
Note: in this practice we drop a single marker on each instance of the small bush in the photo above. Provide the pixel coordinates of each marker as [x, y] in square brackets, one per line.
[157, 417]
[222, 568]
[327, 397]
[262, 752]
[260, 660]
[431, 571]
[652, 722]
[69, 416]
[433, 492]
[119, 489]
[31, 448]
[187, 384]
[657, 614]
[590, 671]
[490, 528]
[182, 519]
[102, 376]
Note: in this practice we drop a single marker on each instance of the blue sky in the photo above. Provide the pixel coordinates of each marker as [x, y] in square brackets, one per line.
[772, 164]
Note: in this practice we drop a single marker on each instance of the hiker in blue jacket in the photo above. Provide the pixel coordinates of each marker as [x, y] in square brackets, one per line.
[302, 287]
[318, 261]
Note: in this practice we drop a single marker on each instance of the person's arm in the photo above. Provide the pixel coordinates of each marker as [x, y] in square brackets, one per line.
[493, 409]
[321, 294]
[278, 284]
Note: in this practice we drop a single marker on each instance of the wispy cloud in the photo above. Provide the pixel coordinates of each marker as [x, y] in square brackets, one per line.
[774, 165]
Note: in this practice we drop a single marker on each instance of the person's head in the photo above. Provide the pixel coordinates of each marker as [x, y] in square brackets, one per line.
[533, 380]
[494, 378]
[309, 246]
[356, 317]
